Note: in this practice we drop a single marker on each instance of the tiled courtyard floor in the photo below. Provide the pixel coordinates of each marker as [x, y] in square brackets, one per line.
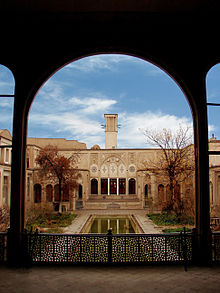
[96, 279]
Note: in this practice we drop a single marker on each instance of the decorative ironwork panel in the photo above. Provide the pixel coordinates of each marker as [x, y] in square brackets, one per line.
[146, 248]
[132, 249]
[173, 246]
[3, 239]
[159, 248]
[101, 249]
[43, 248]
[187, 247]
[62, 248]
[73, 254]
[118, 249]
[60, 244]
[216, 246]
[87, 245]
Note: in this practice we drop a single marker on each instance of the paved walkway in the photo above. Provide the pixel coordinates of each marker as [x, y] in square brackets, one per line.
[145, 223]
[94, 279]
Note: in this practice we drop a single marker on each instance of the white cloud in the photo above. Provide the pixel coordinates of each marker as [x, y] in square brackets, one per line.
[131, 133]
[89, 131]
[51, 90]
[97, 62]
[93, 105]
[110, 62]
[6, 103]
[78, 127]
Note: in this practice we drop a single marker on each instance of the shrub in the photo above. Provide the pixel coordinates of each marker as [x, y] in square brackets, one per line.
[166, 219]
[44, 217]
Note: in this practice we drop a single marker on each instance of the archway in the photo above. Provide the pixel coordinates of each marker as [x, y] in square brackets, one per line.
[6, 118]
[94, 186]
[49, 193]
[37, 193]
[213, 90]
[111, 179]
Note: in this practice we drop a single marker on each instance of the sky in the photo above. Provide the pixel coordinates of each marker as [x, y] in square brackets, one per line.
[72, 103]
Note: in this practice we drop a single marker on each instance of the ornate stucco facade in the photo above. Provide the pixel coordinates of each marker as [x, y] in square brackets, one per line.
[110, 177]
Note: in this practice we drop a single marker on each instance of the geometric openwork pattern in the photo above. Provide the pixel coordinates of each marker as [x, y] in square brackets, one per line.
[3, 245]
[216, 246]
[98, 248]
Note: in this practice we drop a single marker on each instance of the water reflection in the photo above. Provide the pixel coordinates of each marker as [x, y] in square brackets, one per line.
[119, 225]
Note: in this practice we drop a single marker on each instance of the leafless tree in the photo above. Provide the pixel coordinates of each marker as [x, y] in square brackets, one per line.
[174, 162]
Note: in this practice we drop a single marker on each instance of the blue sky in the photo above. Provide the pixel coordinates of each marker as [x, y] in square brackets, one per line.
[72, 103]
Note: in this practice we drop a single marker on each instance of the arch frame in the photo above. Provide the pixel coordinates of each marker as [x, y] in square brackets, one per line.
[191, 80]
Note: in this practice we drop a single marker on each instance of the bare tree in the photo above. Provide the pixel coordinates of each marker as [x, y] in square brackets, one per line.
[175, 161]
[56, 167]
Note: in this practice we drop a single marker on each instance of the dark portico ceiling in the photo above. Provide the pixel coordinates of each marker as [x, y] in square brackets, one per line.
[109, 5]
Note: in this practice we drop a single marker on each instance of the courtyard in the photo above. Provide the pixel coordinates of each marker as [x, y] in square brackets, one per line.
[146, 224]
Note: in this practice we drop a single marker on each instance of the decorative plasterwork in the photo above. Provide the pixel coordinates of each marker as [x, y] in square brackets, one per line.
[94, 169]
[132, 169]
[104, 170]
[122, 170]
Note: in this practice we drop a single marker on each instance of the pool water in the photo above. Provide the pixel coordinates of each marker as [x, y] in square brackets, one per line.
[119, 225]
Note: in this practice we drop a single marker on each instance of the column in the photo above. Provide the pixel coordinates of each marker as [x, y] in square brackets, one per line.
[1, 187]
[154, 191]
[99, 226]
[127, 187]
[108, 186]
[99, 182]
[117, 186]
[118, 226]
[127, 226]
[139, 186]
[16, 252]
[99, 186]
[202, 205]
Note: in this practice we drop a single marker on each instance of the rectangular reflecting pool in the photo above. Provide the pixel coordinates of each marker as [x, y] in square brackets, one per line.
[118, 224]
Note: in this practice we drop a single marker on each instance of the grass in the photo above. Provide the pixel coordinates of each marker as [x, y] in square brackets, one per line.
[178, 229]
[53, 222]
[170, 219]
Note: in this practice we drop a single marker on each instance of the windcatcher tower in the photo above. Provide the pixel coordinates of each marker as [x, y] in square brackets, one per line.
[111, 122]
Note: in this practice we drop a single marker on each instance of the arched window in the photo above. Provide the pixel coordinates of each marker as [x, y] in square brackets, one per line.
[66, 194]
[80, 191]
[122, 185]
[49, 193]
[56, 193]
[5, 190]
[146, 191]
[161, 193]
[94, 186]
[104, 186]
[177, 191]
[131, 186]
[168, 193]
[37, 193]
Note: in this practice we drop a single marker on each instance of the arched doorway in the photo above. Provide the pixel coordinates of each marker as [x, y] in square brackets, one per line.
[132, 186]
[94, 186]
[146, 191]
[49, 193]
[37, 193]
[80, 192]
